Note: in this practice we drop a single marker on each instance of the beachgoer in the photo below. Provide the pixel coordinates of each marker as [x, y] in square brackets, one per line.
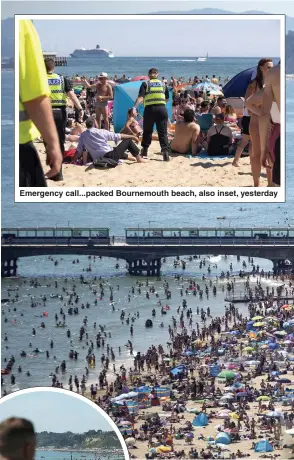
[230, 114]
[17, 439]
[104, 94]
[60, 89]
[155, 95]
[186, 134]
[245, 122]
[35, 112]
[266, 105]
[256, 85]
[219, 138]
[95, 142]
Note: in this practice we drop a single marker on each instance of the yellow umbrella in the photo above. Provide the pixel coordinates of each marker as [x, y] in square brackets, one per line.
[259, 324]
[256, 318]
[248, 349]
[234, 416]
[263, 398]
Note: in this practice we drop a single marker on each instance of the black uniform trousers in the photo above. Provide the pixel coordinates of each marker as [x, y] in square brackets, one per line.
[30, 170]
[155, 114]
[60, 118]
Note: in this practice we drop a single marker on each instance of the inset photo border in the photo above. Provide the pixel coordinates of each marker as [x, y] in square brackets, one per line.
[169, 158]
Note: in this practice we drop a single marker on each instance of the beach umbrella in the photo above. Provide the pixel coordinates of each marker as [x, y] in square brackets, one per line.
[252, 363]
[242, 394]
[284, 381]
[263, 398]
[163, 449]
[227, 375]
[124, 423]
[275, 414]
[234, 415]
[238, 85]
[206, 86]
[140, 78]
[256, 318]
[280, 333]
[248, 349]
[259, 324]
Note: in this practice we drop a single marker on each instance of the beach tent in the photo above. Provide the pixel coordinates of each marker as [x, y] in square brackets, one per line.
[263, 446]
[223, 438]
[200, 420]
[124, 99]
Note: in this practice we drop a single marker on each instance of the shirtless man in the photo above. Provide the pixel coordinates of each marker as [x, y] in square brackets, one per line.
[186, 134]
[104, 94]
[261, 103]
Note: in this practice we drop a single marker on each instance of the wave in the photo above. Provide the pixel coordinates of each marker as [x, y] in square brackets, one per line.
[181, 60]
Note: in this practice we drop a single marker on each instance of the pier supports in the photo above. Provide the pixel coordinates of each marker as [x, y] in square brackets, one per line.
[141, 267]
[282, 266]
[8, 268]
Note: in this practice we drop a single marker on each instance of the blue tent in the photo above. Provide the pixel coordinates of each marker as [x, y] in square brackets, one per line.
[223, 438]
[238, 85]
[200, 420]
[124, 98]
[263, 446]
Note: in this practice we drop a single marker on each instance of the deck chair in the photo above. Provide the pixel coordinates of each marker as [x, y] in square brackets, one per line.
[205, 122]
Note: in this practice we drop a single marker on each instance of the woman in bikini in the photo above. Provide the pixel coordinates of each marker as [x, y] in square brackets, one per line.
[255, 151]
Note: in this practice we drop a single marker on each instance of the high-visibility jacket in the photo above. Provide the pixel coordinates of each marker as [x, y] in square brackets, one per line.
[32, 78]
[56, 85]
[155, 94]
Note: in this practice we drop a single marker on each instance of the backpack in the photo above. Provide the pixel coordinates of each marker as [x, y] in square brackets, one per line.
[105, 163]
[218, 144]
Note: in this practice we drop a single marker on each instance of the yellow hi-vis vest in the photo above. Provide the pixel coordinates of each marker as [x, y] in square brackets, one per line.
[56, 85]
[155, 94]
[27, 130]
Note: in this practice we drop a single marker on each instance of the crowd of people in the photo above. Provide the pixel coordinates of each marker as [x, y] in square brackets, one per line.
[202, 121]
[234, 370]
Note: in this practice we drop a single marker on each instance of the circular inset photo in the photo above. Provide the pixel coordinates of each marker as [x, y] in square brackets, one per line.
[56, 424]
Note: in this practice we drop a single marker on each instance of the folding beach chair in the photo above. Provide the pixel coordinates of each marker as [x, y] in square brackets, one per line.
[205, 122]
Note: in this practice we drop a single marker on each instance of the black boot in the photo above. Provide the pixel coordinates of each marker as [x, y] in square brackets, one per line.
[58, 177]
[165, 155]
[144, 152]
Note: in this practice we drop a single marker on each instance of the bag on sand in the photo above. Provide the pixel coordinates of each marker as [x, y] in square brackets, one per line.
[105, 163]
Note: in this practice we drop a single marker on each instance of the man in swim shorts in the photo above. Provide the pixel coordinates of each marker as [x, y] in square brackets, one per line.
[17, 439]
[104, 94]
[186, 134]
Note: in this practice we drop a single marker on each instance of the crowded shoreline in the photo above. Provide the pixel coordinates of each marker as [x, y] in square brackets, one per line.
[186, 324]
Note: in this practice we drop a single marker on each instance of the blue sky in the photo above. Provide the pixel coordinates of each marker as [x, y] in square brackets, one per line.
[166, 37]
[57, 412]
[141, 6]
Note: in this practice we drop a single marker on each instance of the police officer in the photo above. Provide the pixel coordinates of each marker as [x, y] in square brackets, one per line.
[60, 88]
[155, 95]
[35, 112]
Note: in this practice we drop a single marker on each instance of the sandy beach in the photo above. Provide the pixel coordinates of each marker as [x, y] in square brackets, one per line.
[179, 172]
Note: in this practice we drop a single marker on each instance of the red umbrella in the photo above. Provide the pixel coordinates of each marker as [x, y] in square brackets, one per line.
[140, 78]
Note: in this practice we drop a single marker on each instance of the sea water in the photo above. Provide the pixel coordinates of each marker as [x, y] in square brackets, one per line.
[117, 216]
[74, 455]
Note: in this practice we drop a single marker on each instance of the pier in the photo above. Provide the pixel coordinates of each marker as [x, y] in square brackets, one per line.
[143, 257]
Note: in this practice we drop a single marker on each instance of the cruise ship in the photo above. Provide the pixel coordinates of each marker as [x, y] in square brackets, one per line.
[92, 52]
